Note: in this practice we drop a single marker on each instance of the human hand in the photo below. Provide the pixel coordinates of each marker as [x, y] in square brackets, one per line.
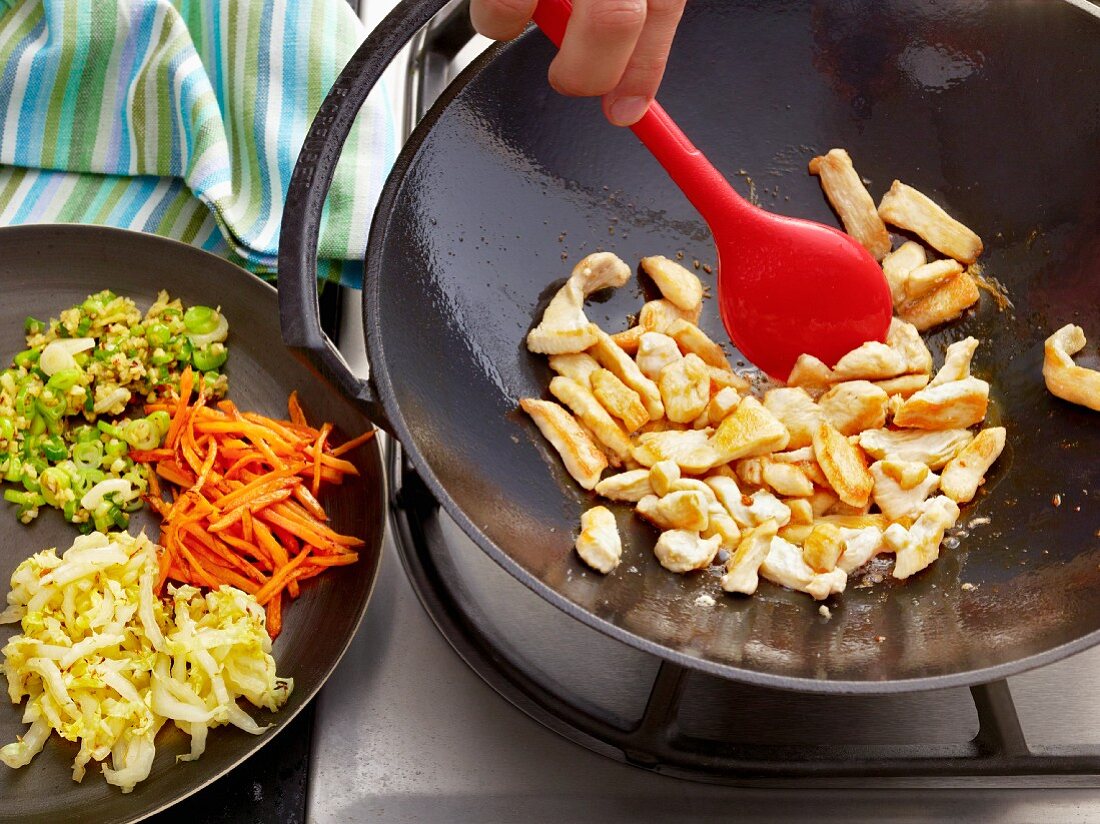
[614, 49]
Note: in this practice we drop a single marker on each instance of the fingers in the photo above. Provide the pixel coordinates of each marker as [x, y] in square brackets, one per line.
[597, 47]
[628, 101]
[501, 19]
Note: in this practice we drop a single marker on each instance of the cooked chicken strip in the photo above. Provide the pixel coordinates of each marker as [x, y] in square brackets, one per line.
[578, 366]
[898, 264]
[679, 286]
[620, 364]
[860, 546]
[685, 388]
[954, 405]
[629, 486]
[956, 364]
[942, 304]
[797, 411]
[897, 501]
[1063, 377]
[679, 550]
[853, 406]
[905, 207]
[852, 202]
[599, 544]
[588, 410]
[783, 565]
[619, 399]
[919, 546]
[658, 315]
[966, 471]
[742, 568]
[844, 466]
[564, 328]
[932, 448]
[582, 458]
[751, 430]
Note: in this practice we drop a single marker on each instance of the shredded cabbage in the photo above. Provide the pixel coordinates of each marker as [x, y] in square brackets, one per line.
[104, 662]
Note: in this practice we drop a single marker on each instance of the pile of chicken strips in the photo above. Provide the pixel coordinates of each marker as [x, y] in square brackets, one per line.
[804, 483]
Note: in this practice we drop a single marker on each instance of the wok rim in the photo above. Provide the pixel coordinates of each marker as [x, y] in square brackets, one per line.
[175, 247]
[383, 381]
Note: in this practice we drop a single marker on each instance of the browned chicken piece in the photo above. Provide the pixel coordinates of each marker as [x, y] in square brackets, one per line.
[787, 479]
[905, 207]
[822, 548]
[929, 277]
[919, 545]
[942, 304]
[904, 338]
[623, 367]
[725, 379]
[966, 471]
[810, 374]
[631, 486]
[662, 475]
[599, 544]
[582, 458]
[691, 449]
[955, 405]
[629, 339]
[956, 363]
[802, 511]
[619, 399]
[797, 411]
[679, 286]
[591, 413]
[694, 340]
[934, 448]
[680, 550]
[751, 430]
[721, 405]
[564, 328]
[853, 406]
[903, 385]
[656, 351]
[578, 366]
[852, 201]
[783, 565]
[742, 568]
[844, 466]
[898, 264]
[1064, 378]
[900, 488]
[685, 388]
[871, 361]
[658, 315]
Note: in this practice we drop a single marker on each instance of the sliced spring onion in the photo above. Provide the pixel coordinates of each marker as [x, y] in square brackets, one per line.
[58, 354]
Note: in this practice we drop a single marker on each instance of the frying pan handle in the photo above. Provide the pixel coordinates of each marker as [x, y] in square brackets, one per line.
[299, 314]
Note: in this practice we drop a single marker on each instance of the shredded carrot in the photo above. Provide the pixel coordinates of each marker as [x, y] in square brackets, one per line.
[241, 506]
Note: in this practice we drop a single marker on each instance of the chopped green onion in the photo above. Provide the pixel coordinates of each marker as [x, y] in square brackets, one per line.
[7, 429]
[38, 425]
[54, 449]
[161, 420]
[209, 358]
[142, 434]
[83, 327]
[50, 404]
[88, 455]
[33, 327]
[14, 472]
[27, 358]
[200, 320]
[25, 499]
[109, 429]
[53, 482]
[158, 334]
[64, 380]
[117, 449]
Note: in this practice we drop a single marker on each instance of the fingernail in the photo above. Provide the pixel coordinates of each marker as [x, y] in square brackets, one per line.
[626, 111]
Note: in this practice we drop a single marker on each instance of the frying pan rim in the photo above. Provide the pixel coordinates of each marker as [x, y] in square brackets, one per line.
[175, 247]
[382, 380]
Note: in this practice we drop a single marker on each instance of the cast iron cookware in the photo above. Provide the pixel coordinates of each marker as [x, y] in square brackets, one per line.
[44, 269]
[990, 108]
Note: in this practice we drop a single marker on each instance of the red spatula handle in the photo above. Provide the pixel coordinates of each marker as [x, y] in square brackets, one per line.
[704, 186]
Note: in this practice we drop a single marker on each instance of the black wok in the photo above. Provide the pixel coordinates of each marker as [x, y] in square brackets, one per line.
[989, 107]
[44, 269]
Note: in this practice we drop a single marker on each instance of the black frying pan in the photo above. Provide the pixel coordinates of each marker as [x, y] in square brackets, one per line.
[990, 107]
[44, 269]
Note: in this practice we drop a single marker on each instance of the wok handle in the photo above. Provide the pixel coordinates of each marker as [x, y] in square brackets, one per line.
[299, 314]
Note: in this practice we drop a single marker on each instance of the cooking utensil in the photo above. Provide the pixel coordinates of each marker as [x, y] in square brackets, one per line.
[785, 286]
[44, 269]
[496, 196]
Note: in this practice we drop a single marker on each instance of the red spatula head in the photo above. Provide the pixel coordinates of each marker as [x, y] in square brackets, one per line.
[788, 287]
[785, 286]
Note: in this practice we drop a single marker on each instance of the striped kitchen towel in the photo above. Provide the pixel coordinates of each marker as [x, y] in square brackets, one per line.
[182, 118]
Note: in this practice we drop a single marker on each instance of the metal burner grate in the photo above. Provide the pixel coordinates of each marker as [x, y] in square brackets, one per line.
[688, 724]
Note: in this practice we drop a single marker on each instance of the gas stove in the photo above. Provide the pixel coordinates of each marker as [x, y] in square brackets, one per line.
[465, 697]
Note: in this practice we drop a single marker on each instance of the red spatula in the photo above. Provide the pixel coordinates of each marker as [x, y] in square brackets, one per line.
[785, 286]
